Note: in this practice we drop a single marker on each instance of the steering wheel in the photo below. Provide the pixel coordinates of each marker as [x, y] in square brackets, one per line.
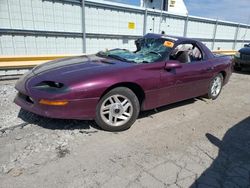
[157, 53]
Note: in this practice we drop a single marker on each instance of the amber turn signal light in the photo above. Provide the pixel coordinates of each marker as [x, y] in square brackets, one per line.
[53, 103]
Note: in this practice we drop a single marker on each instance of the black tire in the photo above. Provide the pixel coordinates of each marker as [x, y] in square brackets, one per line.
[102, 120]
[237, 68]
[210, 94]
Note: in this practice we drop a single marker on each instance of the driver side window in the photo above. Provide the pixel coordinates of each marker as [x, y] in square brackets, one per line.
[186, 53]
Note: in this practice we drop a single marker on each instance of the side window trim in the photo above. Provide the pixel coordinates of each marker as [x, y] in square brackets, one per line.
[178, 44]
[204, 56]
[201, 52]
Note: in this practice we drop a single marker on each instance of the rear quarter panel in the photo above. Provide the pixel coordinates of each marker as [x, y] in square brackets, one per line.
[224, 65]
[220, 63]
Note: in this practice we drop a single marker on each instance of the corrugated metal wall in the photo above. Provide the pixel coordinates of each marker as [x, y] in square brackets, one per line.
[55, 27]
[38, 15]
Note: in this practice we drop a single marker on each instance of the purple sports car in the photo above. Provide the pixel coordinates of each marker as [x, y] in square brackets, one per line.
[113, 86]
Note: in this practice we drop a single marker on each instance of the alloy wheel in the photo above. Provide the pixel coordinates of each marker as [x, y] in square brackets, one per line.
[216, 86]
[116, 110]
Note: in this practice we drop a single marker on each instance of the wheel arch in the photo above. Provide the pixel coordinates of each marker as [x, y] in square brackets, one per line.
[224, 74]
[136, 88]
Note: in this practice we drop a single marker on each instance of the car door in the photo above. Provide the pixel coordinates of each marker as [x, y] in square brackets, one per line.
[188, 81]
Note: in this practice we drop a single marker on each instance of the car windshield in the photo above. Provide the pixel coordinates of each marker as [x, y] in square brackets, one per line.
[149, 50]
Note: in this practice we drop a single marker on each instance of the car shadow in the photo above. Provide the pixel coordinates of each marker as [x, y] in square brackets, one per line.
[55, 124]
[68, 124]
[149, 113]
[243, 71]
[231, 168]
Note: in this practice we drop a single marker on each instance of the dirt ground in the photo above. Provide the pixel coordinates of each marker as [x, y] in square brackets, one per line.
[197, 143]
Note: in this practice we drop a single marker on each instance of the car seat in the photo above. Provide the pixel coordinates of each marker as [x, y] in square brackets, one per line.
[183, 57]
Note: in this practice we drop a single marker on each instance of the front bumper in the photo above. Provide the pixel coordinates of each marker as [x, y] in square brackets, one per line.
[241, 63]
[83, 109]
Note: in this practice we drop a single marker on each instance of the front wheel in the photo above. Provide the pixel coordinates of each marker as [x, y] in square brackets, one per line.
[117, 110]
[215, 87]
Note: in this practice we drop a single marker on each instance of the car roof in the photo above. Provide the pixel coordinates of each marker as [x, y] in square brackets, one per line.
[177, 40]
[170, 37]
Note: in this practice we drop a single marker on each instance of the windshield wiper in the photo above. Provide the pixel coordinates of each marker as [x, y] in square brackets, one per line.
[117, 57]
[102, 54]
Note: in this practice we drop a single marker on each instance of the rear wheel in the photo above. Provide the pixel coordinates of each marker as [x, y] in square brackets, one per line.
[215, 87]
[117, 110]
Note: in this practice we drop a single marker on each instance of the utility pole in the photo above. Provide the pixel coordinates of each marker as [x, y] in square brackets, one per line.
[162, 5]
[83, 28]
[244, 36]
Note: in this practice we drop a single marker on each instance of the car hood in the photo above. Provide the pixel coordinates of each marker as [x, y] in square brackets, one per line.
[73, 65]
[245, 50]
[76, 70]
[76, 73]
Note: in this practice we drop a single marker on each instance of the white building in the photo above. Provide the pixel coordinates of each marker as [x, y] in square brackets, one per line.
[173, 6]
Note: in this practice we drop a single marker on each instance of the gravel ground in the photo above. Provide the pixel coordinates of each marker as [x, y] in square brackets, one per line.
[198, 143]
[9, 111]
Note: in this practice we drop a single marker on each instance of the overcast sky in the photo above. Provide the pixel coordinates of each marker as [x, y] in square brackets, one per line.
[230, 10]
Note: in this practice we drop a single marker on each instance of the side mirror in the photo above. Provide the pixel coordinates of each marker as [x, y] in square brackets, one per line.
[172, 64]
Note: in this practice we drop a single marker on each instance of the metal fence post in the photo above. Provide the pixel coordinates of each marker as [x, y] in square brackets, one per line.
[236, 36]
[186, 27]
[83, 28]
[214, 34]
[145, 21]
[244, 38]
